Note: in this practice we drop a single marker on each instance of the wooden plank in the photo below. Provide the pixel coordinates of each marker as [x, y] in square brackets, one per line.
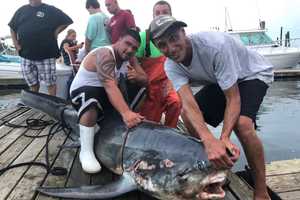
[284, 183]
[25, 189]
[77, 176]
[102, 178]
[14, 114]
[8, 134]
[6, 111]
[12, 152]
[295, 195]
[240, 188]
[229, 196]
[65, 159]
[286, 73]
[283, 167]
[11, 178]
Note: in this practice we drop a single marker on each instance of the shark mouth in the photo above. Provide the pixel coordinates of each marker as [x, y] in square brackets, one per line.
[213, 187]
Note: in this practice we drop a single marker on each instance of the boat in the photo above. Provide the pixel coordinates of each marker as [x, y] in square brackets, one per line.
[11, 75]
[258, 40]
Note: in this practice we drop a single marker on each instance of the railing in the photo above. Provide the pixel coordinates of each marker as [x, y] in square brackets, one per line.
[276, 43]
[6, 49]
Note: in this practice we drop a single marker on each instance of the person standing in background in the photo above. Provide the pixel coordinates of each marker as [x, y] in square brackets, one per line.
[121, 20]
[34, 30]
[96, 34]
[69, 46]
[161, 96]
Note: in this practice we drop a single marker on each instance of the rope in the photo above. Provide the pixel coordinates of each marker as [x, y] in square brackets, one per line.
[39, 124]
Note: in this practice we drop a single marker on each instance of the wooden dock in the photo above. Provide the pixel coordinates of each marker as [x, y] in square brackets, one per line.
[287, 73]
[15, 80]
[20, 183]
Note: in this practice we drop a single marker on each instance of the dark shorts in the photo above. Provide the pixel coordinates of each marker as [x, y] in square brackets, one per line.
[86, 97]
[212, 102]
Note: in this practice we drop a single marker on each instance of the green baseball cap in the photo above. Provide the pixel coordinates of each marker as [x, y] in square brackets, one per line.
[162, 23]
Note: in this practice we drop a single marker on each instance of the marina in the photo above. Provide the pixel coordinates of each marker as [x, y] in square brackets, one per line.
[279, 55]
[20, 183]
[40, 150]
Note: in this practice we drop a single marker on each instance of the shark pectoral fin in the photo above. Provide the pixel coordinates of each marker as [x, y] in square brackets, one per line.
[124, 185]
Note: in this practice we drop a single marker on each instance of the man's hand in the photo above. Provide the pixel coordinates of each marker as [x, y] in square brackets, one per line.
[132, 74]
[217, 155]
[232, 148]
[132, 119]
[80, 45]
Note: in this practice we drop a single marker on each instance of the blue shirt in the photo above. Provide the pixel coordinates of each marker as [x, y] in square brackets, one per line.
[96, 30]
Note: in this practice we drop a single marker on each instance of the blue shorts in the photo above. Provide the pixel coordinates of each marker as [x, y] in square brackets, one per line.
[35, 71]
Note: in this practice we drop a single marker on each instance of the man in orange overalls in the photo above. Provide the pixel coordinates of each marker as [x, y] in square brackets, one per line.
[161, 97]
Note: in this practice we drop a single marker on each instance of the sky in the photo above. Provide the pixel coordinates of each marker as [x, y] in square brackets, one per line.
[200, 15]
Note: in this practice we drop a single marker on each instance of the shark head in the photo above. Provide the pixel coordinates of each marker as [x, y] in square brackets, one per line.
[179, 178]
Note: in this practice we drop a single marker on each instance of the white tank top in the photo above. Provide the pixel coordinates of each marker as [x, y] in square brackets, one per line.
[85, 77]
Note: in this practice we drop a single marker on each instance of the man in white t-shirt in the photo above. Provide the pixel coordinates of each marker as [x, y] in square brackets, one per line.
[236, 80]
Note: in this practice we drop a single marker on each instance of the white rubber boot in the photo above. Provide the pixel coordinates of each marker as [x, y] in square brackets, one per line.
[87, 157]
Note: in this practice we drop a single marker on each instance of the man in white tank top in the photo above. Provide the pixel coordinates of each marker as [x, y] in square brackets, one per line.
[95, 90]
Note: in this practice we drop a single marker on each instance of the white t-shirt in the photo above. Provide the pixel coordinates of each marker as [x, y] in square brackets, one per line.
[219, 58]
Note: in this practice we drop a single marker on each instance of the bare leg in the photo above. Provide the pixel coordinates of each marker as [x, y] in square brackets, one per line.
[89, 118]
[255, 155]
[52, 89]
[35, 88]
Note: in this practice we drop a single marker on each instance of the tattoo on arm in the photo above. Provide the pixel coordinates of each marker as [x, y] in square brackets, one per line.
[105, 64]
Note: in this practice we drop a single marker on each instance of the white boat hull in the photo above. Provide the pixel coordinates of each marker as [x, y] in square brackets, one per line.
[63, 72]
[281, 57]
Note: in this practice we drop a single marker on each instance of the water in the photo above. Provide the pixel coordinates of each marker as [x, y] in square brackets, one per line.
[9, 98]
[278, 121]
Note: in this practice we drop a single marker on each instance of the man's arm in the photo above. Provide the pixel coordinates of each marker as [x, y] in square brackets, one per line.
[195, 122]
[60, 19]
[232, 112]
[59, 29]
[15, 40]
[67, 47]
[106, 73]
[129, 19]
[136, 73]
[88, 45]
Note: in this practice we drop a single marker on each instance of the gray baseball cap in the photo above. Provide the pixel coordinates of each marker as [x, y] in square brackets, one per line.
[162, 23]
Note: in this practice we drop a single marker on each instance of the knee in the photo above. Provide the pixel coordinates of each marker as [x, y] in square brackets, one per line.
[89, 117]
[245, 128]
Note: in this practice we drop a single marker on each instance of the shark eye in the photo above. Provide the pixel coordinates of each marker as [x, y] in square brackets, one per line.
[202, 164]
